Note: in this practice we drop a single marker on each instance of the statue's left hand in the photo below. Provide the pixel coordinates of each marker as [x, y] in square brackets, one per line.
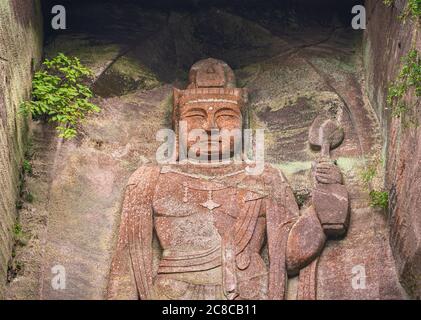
[327, 172]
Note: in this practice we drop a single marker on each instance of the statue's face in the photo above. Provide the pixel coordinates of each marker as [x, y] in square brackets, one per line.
[212, 118]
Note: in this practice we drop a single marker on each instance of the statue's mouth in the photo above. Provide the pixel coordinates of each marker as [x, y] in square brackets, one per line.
[209, 149]
[210, 143]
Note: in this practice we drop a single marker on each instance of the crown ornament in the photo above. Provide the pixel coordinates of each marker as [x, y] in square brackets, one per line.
[210, 81]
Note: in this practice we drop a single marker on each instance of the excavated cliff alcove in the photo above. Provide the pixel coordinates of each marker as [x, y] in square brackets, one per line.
[297, 58]
[169, 36]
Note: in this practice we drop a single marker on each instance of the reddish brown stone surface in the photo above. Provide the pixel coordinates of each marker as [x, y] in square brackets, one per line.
[388, 39]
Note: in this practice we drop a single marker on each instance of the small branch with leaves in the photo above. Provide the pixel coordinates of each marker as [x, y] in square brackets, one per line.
[408, 79]
[411, 10]
[60, 94]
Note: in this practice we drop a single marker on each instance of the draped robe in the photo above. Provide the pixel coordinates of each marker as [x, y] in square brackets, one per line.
[253, 213]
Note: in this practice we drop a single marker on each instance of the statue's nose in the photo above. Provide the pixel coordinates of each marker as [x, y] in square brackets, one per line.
[211, 125]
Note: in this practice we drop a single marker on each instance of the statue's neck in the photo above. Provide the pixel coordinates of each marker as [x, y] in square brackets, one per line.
[207, 163]
[210, 168]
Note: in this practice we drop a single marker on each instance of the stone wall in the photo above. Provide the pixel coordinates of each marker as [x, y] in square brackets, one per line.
[387, 40]
[20, 51]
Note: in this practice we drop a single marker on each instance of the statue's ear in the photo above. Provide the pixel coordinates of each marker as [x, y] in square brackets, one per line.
[176, 97]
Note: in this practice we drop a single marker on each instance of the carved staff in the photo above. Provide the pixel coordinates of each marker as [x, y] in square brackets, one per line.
[325, 134]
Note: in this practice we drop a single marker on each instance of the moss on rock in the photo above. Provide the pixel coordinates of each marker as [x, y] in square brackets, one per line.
[124, 76]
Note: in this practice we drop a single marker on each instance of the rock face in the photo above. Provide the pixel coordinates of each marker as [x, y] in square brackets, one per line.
[294, 70]
[20, 51]
[387, 40]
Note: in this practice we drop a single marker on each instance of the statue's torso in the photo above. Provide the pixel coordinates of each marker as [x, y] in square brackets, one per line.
[196, 214]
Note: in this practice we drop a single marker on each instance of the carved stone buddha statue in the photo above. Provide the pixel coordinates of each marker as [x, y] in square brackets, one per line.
[205, 229]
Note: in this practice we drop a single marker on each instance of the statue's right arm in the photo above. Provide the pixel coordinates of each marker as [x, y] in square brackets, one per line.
[131, 268]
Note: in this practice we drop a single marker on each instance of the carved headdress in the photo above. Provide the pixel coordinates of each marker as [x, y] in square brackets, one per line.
[210, 80]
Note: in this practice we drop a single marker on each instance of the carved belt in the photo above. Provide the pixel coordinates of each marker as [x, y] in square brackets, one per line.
[175, 261]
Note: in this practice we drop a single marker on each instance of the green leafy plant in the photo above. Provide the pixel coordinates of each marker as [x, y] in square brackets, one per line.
[29, 197]
[17, 230]
[412, 8]
[60, 94]
[408, 78]
[379, 199]
[27, 167]
[19, 236]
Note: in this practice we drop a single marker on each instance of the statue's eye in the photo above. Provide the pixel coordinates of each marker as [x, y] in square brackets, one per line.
[196, 116]
[225, 116]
